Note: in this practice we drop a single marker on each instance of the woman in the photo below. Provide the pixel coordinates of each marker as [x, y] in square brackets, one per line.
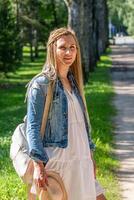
[67, 145]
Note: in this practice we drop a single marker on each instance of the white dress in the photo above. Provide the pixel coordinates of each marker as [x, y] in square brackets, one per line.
[74, 163]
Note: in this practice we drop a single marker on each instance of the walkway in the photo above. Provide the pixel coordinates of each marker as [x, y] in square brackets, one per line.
[123, 81]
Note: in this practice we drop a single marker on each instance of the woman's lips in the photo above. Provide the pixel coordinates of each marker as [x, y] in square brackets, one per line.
[67, 58]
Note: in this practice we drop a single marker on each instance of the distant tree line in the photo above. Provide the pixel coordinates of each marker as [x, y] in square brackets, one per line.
[26, 22]
[29, 22]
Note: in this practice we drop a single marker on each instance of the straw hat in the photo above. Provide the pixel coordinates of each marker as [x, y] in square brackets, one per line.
[56, 189]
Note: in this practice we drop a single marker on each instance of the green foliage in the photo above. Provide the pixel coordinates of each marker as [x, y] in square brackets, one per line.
[121, 13]
[41, 16]
[8, 37]
[35, 20]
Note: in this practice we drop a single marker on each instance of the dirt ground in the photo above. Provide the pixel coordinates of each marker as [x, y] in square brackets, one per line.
[122, 72]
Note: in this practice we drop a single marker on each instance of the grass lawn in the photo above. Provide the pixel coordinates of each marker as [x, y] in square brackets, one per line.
[98, 93]
[13, 109]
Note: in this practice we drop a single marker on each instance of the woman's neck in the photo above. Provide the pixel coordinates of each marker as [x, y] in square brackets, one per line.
[63, 74]
[65, 81]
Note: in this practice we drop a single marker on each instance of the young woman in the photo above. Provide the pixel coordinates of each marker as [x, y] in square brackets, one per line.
[66, 147]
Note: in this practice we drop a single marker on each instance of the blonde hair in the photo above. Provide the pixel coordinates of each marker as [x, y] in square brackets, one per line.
[50, 66]
[76, 67]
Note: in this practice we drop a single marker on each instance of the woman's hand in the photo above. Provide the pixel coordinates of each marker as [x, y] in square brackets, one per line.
[40, 176]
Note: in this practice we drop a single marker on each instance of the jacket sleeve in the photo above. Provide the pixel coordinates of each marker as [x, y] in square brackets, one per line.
[35, 108]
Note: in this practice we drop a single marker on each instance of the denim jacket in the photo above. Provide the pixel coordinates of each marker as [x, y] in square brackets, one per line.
[56, 131]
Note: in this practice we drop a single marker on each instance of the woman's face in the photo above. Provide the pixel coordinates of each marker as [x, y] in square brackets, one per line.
[65, 51]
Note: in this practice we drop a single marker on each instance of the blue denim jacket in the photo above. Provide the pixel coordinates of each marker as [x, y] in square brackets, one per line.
[56, 132]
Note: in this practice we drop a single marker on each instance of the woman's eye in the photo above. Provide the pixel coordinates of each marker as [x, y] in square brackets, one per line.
[62, 48]
[72, 47]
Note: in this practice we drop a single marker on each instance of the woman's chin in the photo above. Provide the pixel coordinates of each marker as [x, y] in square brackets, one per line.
[68, 62]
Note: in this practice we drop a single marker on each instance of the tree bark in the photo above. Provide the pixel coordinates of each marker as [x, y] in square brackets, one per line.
[19, 44]
[101, 16]
[31, 43]
[54, 13]
[80, 19]
[89, 19]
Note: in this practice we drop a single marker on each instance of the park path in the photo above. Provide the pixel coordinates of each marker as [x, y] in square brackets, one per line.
[122, 72]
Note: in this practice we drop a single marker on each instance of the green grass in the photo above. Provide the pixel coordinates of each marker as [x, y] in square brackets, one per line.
[13, 109]
[99, 94]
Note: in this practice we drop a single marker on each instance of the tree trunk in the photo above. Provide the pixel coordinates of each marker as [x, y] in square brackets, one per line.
[80, 19]
[54, 13]
[95, 32]
[36, 50]
[35, 43]
[101, 15]
[19, 45]
[89, 19]
[31, 44]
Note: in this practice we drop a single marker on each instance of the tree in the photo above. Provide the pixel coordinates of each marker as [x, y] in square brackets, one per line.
[37, 19]
[119, 13]
[19, 42]
[8, 37]
[80, 19]
[88, 18]
[101, 28]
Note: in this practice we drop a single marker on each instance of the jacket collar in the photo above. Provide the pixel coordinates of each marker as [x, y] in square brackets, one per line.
[70, 78]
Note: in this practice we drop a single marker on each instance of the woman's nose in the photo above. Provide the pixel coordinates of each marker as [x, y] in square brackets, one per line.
[68, 50]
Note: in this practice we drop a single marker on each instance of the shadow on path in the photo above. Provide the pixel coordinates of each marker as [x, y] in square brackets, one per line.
[122, 73]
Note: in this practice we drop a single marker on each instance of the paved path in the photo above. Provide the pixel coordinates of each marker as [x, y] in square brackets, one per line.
[123, 81]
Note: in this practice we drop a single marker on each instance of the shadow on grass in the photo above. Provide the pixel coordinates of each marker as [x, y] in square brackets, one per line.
[25, 72]
[13, 110]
